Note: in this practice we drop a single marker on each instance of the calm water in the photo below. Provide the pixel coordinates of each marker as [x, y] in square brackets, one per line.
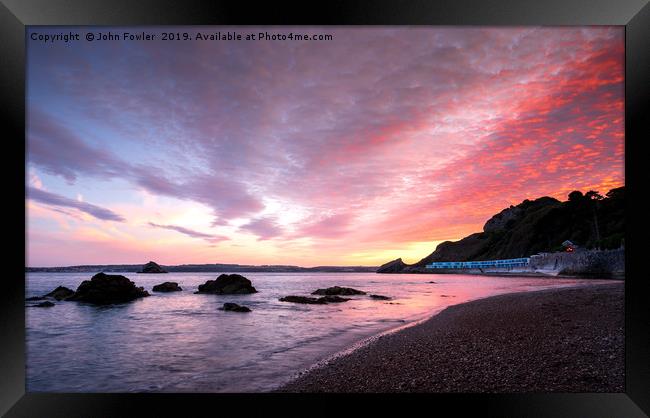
[176, 342]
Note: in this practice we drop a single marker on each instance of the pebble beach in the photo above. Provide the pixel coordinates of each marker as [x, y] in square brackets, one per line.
[557, 340]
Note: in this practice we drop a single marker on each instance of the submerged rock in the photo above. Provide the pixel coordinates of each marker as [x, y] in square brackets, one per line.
[60, 293]
[104, 289]
[152, 267]
[234, 307]
[46, 304]
[227, 284]
[315, 301]
[303, 299]
[167, 287]
[336, 290]
[380, 297]
[333, 299]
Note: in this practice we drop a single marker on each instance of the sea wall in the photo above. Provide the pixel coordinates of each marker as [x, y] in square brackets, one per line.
[605, 263]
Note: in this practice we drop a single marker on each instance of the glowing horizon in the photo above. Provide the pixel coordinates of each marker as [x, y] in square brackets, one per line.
[378, 144]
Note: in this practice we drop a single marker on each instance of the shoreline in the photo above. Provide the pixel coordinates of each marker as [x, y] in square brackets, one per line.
[408, 358]
[540, 274]
[365, 341]
[544, 275]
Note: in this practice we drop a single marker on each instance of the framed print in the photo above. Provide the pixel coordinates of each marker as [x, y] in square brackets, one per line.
[385, 203]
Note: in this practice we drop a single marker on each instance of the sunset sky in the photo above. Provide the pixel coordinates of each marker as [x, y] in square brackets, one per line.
[378, 144]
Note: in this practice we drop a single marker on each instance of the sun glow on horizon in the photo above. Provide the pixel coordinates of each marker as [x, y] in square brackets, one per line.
[268, 153]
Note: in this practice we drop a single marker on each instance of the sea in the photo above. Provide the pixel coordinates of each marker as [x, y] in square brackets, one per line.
[182, 342]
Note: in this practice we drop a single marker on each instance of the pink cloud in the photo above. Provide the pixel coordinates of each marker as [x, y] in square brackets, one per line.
[264, 228]
[328, 226]
[381, 135]
[190, 232]
[62, 204]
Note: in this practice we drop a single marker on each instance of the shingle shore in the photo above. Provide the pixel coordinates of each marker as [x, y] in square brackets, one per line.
[559, 340]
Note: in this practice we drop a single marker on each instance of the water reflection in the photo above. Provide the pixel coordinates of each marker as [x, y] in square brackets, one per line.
[181, 341]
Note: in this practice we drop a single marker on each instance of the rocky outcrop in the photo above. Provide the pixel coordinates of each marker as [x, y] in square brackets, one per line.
[233, 307]
[228, 284]
[502, 219]
[380, 297]
[167, 287]
[337, 290]
[46, 304]
[60, 293]
[395, 266]
[152, 267]
[103, 289]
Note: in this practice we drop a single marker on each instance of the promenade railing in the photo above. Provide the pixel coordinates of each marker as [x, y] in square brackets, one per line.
[507, 263]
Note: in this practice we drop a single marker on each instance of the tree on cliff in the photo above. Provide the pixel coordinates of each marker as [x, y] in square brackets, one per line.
[594, 197]
[575, 196]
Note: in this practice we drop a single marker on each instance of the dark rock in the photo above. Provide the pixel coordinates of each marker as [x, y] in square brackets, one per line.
[314, 301]
[167, 287]
[46, 304]
[303, 299]
[227, 284]
[432, 282]
[152, 267]
[60, 293]
[395, 266]
[106, 289]
[333, 299]
[380, 297]
[336, 290]
[234, 308]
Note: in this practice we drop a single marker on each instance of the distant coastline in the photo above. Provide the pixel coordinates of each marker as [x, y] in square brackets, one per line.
[203, 268]
[600, 264]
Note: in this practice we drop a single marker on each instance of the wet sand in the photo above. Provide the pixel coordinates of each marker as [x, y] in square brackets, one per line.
[559, 340]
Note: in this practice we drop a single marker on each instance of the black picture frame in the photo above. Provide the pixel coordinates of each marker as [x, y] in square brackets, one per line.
[15, 15]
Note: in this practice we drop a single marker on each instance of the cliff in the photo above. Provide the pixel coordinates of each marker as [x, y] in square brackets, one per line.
[535, 226]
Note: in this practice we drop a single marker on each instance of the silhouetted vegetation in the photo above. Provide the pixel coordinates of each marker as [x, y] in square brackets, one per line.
[541, 225]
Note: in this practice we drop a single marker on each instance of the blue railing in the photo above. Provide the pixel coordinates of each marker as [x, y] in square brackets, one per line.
[512, 262]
